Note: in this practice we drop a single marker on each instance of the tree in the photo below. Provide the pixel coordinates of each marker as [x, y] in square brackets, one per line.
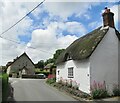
[49, 61]
[57, 53]
[40, 64]
[4, 69]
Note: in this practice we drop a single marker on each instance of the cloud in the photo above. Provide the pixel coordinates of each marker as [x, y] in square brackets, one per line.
[95, 24]
[71, 27]
[67, 9]
[115, 9]
[11, 12]
[46, 41]
[76, 28]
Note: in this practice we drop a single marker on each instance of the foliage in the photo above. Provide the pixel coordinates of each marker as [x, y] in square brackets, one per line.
[57, 53]
[50, 60]
[3, 69]
[43, 63]
[116, 90]
[69, 87]
[4, 78]
[51, 79]
[55, 56]
[40, 64]
[98, 90]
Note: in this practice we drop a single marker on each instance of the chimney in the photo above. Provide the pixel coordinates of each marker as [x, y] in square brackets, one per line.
[108, 18]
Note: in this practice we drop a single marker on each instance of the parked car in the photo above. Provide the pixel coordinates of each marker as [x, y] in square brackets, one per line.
[41, 76]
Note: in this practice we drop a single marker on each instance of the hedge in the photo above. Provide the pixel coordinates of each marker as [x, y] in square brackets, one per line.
[4, 78]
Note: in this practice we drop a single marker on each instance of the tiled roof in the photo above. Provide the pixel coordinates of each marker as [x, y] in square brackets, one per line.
[10, 63]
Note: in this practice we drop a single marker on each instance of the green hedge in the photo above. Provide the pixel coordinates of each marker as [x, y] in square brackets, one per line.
[51, 81]
[4, 78]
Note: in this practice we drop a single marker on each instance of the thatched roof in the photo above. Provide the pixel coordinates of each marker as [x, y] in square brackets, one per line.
[83, 47]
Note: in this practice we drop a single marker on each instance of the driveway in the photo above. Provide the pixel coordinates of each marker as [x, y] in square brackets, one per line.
[36, 90]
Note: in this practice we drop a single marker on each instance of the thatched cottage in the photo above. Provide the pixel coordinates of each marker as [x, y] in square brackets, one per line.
[93, 57]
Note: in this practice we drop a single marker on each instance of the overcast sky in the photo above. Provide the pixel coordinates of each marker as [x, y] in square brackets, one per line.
[52, 26]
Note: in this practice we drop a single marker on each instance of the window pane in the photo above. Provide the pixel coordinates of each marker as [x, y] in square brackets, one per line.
[70, 72]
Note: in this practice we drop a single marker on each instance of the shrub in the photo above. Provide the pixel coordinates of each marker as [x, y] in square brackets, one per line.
[51, 79]
[116, 90]
[4, 78]
[64, 86]
[98, 90]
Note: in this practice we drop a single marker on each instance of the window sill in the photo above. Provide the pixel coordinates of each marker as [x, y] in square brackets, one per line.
[71, 77]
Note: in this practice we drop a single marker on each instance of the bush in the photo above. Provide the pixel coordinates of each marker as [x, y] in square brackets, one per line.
[71, 90]
[98, 90]
[116, 90]
[99, 93]
[4, 78]
[51, 79]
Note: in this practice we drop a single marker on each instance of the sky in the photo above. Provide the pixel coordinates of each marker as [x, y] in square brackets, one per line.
[53, 25]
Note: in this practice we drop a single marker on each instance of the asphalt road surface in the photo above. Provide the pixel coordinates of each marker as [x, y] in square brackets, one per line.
[36, 90]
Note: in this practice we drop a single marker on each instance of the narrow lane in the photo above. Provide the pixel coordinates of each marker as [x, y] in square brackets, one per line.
[36, 90]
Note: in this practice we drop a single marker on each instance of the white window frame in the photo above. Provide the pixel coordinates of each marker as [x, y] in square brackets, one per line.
[70, 72]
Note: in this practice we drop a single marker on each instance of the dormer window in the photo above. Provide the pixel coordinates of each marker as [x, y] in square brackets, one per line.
[67, 57]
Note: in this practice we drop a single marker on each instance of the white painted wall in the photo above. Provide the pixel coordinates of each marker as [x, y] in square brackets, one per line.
[81, 73]
[119, 63]
[104, 60]
[20, 63]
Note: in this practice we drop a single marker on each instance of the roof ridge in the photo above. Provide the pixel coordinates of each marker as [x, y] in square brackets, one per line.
[21, 56]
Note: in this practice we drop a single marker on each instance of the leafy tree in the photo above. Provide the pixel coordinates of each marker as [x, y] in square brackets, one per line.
[40, 64]
[51, 60]
[55, 56]
[57, 53]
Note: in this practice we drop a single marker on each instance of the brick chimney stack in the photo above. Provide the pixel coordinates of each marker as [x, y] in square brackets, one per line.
[108, 18]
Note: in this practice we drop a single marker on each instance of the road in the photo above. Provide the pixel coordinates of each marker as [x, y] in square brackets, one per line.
[36, 90]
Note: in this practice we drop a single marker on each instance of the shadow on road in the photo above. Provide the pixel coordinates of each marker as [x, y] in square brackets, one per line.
[10, 98]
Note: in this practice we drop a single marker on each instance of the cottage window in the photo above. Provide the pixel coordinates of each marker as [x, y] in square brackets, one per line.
[70, 72]
[58, 72]
[67, 57]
